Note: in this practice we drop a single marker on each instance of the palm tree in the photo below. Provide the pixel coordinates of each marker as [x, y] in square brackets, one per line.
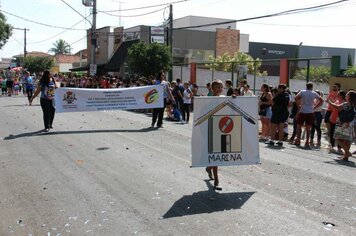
[61, 47]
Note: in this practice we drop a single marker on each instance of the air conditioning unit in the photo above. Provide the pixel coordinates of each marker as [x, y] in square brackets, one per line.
[87, 3]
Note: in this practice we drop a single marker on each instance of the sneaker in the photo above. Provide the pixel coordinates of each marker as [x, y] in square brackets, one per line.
[46, 130]
[217, 187]
[269, 142]
[263, 139]
[279, 144]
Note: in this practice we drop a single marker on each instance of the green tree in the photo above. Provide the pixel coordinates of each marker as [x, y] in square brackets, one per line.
[5, 30]
[149, 59]
[38, 64]
[320, 74]
[61, 47]
[350, 71]
[225, 63]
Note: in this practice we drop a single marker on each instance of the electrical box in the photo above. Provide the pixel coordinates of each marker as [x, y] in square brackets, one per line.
[87, 3]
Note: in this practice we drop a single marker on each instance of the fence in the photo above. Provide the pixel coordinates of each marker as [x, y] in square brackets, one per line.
[300, 71]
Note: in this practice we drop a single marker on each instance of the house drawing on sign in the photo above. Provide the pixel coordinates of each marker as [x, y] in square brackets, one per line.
[224, 131]
[228, 103]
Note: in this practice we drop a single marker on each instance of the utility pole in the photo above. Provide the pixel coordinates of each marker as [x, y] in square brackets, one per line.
[25, 43]
[170, 40]
[25, 40]
[93, 35]
[93, 39]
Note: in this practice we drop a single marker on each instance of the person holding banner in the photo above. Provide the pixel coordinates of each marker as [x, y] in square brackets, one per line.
[46, 86]
[217, 90]
[167, 94]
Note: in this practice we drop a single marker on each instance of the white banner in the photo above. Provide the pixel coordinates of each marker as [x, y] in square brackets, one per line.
[225, 131]
[78, 99]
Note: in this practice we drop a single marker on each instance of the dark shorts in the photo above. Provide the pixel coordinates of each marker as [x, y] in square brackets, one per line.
[327, 116]
[9, 84]
[278, 118]
[305, 118]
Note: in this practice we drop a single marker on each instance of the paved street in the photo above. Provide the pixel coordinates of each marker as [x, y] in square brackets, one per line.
[108, 173]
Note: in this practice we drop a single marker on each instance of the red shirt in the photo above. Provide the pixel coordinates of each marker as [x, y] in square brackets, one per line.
[333, 96]
[335, 112]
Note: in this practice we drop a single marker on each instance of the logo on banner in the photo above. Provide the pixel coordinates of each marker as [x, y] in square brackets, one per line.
[69, 97]
[151, 96]
[224, 134]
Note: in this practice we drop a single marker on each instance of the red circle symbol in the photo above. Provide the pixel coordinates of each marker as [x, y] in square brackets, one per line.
[226, 124]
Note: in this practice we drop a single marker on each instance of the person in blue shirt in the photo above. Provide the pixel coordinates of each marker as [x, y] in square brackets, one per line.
[28, 85]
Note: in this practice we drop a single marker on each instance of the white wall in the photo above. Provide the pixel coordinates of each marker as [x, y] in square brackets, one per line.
[200, 20]
[64, 67]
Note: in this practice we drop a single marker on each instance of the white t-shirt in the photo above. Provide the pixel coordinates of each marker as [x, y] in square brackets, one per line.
[186, 96]
[307, 101]
[248, 93]
[164, 84]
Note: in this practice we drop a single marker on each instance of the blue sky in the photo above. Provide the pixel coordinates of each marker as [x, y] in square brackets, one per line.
[334, 26]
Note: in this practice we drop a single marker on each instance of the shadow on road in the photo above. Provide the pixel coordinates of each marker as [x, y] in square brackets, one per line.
[41, 132]
[207, 202]
[23, 105]
[344, 163]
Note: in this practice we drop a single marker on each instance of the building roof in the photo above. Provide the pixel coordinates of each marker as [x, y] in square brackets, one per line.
[35, 54]
[70, 59]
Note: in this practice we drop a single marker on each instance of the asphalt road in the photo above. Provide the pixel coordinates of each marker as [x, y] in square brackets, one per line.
[108, 173]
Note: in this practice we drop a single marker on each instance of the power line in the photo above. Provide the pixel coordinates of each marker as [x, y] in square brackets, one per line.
[145, 7]
[39, 23]
[17, 40]
[288, 12]
[77, 41]
[312, 26]
[76, 11]
[58, 33]
[147, 13]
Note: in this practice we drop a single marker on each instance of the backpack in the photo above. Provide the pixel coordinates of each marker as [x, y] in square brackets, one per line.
[347, 114]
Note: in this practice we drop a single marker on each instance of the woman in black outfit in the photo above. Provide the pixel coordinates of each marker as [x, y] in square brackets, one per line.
[46, 86]
[280, 115]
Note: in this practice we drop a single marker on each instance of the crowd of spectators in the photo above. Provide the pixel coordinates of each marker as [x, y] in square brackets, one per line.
[277, 106]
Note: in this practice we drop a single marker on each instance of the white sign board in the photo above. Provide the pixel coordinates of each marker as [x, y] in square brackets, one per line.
[78, 99]
[157, 30]
[157, 39]
[225, 131]
[93, 68]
